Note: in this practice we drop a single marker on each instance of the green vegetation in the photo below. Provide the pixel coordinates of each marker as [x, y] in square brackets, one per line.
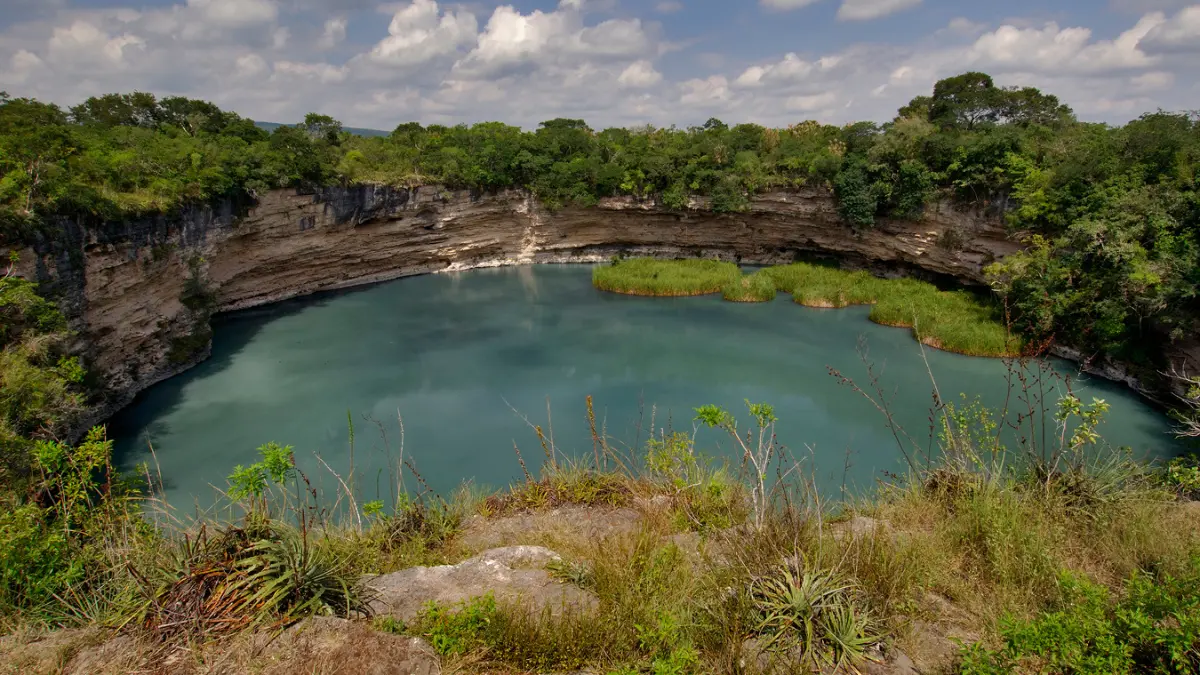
[665, 278]
[1055, 553]
[955, 321]
[757, 287]
[1109, 213]
[1153, 627]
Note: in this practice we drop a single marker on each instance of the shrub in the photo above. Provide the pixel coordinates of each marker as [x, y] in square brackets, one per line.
[857, 200]
[1153, 628]
[1182, 476]
[267, 572]
[457, 629]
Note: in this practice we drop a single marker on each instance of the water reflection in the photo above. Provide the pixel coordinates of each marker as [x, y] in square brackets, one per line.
[450, 353]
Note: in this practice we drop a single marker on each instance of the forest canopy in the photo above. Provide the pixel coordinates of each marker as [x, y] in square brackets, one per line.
[1110, 214]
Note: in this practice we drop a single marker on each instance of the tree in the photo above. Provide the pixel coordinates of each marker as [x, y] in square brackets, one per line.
[138, 109]
[35, 142]
[322, 128]
[1028, 105]
[964, 101]
[192, 116]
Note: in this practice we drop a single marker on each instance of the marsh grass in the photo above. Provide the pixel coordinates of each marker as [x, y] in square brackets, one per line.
[665, 278]
[955, 321]
[757, 287]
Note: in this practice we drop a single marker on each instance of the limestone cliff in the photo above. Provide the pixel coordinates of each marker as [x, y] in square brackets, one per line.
[140, 293]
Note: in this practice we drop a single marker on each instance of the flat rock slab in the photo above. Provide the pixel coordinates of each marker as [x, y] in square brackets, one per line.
[514, 574]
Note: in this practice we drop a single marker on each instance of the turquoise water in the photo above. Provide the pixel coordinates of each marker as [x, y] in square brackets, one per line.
[455, 354]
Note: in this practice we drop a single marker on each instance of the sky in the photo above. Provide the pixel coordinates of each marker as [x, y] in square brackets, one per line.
[611, 62]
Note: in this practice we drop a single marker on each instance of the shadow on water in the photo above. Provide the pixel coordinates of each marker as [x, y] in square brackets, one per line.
[232, 331]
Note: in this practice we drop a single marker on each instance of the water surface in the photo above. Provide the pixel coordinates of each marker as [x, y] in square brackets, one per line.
[454, 354]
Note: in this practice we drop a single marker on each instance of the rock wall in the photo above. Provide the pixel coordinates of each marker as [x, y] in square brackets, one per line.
[140, 293]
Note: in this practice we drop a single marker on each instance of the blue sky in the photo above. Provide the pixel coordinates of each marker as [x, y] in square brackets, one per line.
[612, 62]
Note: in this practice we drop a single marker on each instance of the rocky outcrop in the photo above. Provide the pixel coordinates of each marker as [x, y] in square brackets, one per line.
[140, 293]
[514, 575]
[316, 645]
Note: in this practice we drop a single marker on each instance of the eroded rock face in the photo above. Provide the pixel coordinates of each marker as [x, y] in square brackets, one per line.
[140, 293]
[514, 574]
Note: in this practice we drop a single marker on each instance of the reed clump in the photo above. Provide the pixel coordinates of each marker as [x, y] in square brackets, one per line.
[757, 287]
[665, 278]
[955, 321]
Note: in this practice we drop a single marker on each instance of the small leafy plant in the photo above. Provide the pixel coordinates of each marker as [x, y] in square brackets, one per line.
[1153, 628]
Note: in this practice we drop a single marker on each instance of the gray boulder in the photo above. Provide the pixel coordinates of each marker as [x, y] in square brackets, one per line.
[514, 574]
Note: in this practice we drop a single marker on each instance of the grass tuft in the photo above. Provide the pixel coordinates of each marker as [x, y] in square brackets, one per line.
[665, 278]
[757, 287]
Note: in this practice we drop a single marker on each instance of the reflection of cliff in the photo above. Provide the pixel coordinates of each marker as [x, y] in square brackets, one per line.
[140, 293]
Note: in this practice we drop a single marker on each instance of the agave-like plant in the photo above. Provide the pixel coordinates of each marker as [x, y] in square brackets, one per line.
[288, 577]
[267, 574]
[848, 633]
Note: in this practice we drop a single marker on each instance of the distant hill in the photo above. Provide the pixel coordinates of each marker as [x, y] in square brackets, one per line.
[272, 126]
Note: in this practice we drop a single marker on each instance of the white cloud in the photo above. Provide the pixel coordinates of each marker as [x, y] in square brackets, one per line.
[790, 70]
[235, 13]
[512, 41]
[668, 7]
[419, 33]
[333, 34]
[1181, 33]
[785, 5]
[705, 92]
[811, 102]
[640, 74]
[438, 63]
[1152, 81]
[964, 26]
[84, 42]
[861, 10]
[321, 72]
[1061, 50]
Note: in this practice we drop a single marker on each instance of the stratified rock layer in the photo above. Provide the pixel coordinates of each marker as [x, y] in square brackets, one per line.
[124, 285]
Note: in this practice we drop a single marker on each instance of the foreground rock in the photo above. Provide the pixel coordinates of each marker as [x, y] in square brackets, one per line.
[515, 574]
[324, 645]
[329, 645]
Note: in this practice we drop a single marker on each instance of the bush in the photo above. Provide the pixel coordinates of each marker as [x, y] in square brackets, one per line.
[857, 200]
[1153, 628]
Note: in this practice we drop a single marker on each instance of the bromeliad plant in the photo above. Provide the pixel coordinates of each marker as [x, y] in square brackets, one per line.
[814, 614]
[262, 574]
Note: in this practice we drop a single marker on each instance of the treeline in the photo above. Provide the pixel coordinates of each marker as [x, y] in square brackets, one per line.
[1110, 212]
